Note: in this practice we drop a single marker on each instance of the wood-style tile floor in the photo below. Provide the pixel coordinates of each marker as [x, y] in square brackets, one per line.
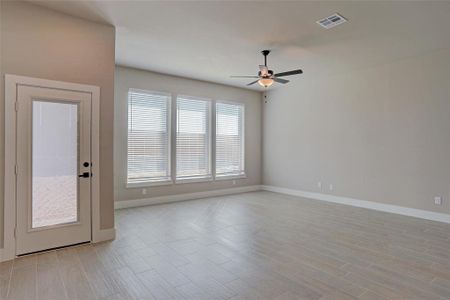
[257, 245]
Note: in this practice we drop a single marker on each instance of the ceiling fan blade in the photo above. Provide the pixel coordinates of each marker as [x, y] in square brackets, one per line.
[289, 73]
[280, 80]
[251, 83]
[244, 76]
[264, 70]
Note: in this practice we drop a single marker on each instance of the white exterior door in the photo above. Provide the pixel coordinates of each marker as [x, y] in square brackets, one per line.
[53, 160]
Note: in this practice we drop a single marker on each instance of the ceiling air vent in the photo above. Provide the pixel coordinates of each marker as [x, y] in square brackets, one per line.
[331, 21]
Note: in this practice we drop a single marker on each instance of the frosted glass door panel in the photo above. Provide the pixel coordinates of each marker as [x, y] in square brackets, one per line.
[54, 163]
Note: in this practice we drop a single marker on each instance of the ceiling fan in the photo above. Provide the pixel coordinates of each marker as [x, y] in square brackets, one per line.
[267, 77]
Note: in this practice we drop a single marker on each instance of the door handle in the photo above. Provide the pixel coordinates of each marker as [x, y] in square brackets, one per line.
[85, 175]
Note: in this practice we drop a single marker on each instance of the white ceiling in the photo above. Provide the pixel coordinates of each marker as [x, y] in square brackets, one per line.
[211, 40]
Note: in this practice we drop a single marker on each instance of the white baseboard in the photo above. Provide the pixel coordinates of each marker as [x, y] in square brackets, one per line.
[6, 255]
[3, 257]
[401, 210]
[182, 197]
[104, 235]
[406, 211]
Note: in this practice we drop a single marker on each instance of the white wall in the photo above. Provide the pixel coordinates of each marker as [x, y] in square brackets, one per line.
[380, 134]
[127, 78]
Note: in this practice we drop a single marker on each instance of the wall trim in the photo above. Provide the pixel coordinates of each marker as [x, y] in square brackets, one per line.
[400, 210]
[395, 209]
[183, 197]
[103, 235]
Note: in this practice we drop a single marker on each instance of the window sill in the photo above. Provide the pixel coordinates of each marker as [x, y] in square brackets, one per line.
[231, 176]
[194, 180]
[148, 184]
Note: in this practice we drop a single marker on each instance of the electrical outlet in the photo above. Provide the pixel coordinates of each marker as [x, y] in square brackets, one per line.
[319, 185]
[144, 191]
[438, 200]
[331, 187]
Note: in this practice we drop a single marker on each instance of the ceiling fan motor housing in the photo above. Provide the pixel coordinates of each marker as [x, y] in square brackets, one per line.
[268, 75]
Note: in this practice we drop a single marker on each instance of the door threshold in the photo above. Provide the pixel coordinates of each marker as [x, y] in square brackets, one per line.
[52, 249]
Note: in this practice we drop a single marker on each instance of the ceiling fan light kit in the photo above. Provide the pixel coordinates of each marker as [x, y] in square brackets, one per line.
[265, 82]
[267, 77]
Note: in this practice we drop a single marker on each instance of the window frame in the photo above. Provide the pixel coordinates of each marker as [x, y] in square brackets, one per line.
[194, 179]
[172, 142]
[243, 173]
[163, 181]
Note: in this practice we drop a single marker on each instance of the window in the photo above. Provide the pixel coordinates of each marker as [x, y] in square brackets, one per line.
[229, 139]
[193, 138]
[148, 137]
[208, 139]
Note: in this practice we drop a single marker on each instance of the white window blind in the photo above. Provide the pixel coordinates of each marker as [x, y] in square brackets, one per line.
[229, 139]
[193, 138]
[148, 137]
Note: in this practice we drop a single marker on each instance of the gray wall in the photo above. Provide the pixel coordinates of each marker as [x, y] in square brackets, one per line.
[42, 43]
[132, 78]
[380, 134]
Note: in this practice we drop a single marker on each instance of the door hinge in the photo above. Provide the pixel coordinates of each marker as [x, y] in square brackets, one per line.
[15, 232]
[16, 105]
[16, 169]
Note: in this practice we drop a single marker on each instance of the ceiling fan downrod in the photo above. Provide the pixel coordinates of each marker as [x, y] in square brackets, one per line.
[265, 53]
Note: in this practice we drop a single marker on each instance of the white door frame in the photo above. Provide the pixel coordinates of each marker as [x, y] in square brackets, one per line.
[11, 86]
